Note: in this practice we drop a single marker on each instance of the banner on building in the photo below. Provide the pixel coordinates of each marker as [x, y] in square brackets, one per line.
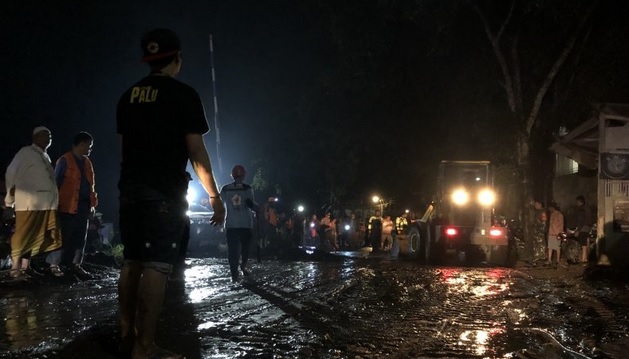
[614, 166]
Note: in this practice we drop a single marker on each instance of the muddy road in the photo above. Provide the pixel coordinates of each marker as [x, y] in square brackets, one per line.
[333, 307]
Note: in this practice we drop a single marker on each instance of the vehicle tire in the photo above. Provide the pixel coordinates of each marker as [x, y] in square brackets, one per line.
[418, 244]
[571, 251]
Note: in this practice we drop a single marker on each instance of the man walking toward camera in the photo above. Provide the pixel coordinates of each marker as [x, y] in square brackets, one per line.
[161, 122]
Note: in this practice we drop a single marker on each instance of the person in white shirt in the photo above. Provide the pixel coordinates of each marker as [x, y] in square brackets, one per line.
[240, 205]
[32, 193]
[556, 226]
[387, 236]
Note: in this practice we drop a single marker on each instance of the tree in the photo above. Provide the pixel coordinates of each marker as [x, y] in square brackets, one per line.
[527, 114]
[540, 48]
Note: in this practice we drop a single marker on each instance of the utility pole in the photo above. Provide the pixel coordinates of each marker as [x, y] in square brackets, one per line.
[218, 132]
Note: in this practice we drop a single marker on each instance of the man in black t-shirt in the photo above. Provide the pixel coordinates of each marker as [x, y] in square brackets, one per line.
[161, 122]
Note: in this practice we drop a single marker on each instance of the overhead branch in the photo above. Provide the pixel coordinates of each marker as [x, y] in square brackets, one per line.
[494, 39]
[554, 70]
[517, 79]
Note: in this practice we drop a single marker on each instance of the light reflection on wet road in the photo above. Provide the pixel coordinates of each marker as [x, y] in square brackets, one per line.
[332, 308]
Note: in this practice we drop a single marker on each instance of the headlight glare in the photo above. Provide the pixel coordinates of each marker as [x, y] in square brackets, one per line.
[460, 197]
[486, 197]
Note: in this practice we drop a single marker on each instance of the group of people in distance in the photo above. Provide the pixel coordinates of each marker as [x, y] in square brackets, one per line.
[550, 222]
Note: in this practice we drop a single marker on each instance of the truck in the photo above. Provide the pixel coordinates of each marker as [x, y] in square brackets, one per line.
[460, 223]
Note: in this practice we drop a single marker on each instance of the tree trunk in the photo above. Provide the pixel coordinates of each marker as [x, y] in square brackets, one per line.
[511, 73]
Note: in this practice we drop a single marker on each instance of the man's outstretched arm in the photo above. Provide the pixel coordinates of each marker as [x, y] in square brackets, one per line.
[202, 167]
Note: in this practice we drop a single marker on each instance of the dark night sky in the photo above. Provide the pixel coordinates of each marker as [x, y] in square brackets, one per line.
[426, 71]
[67, 62]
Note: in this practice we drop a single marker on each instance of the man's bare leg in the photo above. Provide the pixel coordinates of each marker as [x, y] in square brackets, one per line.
[128, 286]
[15, 266]
[151, 297]
[584, 254]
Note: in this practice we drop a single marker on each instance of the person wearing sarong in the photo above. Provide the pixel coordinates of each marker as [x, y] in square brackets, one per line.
[32, 194]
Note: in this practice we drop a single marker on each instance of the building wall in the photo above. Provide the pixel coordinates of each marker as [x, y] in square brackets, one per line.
[567, 188]
[614, 219]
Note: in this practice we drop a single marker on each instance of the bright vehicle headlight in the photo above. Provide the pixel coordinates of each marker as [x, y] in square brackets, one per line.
[486, 197]
[460, 197]
[191, 196]
[495, 232]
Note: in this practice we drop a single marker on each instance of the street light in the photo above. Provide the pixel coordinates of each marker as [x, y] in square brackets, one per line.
[300, 208]
[378, 201]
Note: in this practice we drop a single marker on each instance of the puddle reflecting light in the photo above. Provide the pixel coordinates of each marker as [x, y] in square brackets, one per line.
[197, 295]
[197, 273]
[520, 314]
[308, 249]
[476, 339]
[207, 325]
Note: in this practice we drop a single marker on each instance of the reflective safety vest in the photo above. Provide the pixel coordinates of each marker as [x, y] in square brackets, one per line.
[69, 191]
[375, 223]
[401, 223]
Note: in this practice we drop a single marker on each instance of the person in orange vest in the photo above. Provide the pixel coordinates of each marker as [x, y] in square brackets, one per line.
[77, 203]
[271, 220]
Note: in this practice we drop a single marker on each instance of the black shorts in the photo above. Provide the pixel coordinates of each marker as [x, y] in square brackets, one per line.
[152, 230]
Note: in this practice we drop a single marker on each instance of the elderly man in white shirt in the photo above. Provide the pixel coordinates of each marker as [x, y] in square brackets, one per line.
[32, 193]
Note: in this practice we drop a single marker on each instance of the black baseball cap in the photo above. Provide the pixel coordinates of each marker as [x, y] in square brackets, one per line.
[159, 43]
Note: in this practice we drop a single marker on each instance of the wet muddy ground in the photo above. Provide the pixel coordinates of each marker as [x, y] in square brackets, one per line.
[334, 307]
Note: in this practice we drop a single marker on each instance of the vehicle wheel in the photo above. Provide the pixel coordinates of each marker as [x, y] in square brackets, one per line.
[413, 242]
[571, 251]
[418, 244]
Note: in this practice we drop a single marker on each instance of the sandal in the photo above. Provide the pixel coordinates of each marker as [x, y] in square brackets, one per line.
[18, 274]
[56, 271]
